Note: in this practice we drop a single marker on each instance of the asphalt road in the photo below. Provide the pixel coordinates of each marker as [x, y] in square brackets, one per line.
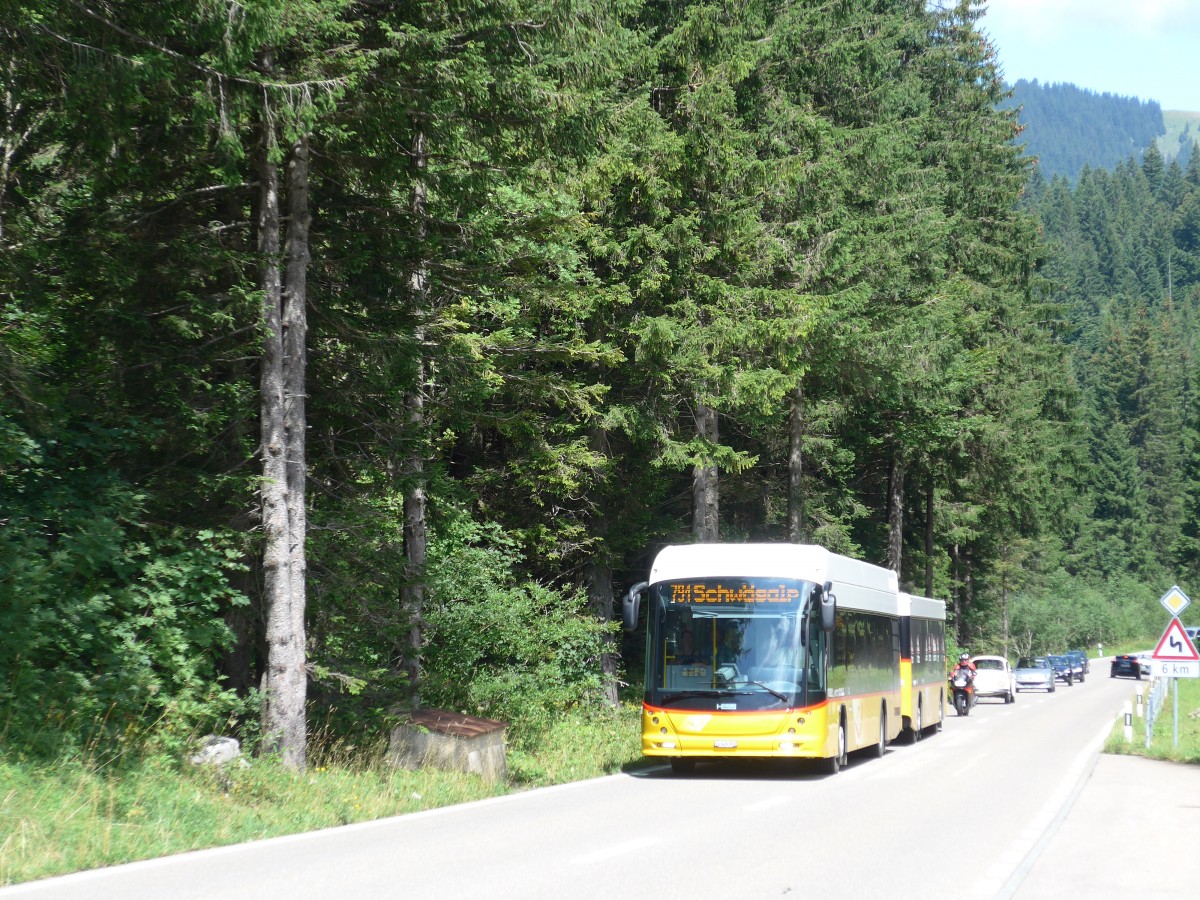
[1008, 802]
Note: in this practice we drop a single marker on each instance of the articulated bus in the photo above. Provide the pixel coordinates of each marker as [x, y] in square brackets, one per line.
[768, 650]
[922, 664]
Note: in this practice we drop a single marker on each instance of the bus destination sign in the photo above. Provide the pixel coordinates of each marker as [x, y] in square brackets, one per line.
[739, 592]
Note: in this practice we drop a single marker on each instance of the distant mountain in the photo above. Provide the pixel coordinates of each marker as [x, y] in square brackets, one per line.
[1183, 131]
[1068, 127]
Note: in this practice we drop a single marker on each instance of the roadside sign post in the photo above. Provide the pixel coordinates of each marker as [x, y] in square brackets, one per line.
[1175, 656]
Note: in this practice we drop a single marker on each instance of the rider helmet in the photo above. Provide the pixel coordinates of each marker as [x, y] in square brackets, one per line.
[963, 657]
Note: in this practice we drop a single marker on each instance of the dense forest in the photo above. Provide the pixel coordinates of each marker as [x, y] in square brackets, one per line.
[356, 355]
[1067, 127]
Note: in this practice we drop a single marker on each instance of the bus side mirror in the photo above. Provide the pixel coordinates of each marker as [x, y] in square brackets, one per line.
[828, 608]
[630, 604]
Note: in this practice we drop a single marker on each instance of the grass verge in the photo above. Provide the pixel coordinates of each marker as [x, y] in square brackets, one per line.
[74, 814]
[1162, 740]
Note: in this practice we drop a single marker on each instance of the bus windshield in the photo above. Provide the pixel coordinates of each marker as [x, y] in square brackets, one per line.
[731, 643]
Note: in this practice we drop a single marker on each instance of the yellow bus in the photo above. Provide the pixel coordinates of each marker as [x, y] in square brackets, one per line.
[922, 665]
[767, 650]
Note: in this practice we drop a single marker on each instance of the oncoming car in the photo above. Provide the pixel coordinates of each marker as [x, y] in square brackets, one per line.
[994, 678]
[1063, 670]
[1078, 664]
[1034, 673]
[1087, 665]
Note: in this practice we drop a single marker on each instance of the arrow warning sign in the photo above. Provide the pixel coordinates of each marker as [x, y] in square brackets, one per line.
[1175, 645]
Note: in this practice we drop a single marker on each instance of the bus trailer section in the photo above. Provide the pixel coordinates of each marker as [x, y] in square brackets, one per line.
[922, 664]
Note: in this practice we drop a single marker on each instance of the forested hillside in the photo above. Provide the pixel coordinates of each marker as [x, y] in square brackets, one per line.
[1068, 127]
[356, 355]
[1123, 263]
[1182, 133]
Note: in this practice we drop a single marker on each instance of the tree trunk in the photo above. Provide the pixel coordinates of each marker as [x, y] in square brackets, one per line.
[796, 512]
[412, 593]
[705, 495]
[283, 447]
[955, 586]
[1004, 611]
[600, 600]
[968, 599]
[896, 513]
[929, 536]
[276, 581]
[599, 577]
[295, 361]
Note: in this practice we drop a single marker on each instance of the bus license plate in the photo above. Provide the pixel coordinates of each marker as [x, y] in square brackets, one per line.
[725, 745]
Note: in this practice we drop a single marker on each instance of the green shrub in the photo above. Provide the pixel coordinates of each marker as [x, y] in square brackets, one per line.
[498, 646]
[105, 620]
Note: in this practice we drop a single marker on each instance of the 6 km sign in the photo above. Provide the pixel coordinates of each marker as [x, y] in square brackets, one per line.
[1175, 656]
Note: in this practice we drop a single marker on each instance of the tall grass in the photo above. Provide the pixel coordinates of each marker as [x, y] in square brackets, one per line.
[578, 746]
[82, 811]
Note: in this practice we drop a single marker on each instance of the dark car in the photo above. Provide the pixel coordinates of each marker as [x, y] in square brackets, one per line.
[1087, 666]
[1127, 666]
[1079, 664]
[1063, 670]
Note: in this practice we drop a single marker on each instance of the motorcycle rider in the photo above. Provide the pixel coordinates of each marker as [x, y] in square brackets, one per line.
[966, 668]
[964, 662]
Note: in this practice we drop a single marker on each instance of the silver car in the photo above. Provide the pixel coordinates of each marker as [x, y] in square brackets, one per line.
[994, 678]
[1034, 673]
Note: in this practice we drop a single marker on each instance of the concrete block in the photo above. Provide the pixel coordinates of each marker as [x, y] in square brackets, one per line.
[451, 741]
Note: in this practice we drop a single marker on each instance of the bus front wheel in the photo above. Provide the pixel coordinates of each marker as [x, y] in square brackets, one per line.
[835, 763]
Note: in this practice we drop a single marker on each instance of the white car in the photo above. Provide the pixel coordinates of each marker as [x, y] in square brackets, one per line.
[994, 678]
[1144, 660]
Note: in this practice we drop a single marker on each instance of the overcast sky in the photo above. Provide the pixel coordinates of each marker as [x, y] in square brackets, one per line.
[1148, 49]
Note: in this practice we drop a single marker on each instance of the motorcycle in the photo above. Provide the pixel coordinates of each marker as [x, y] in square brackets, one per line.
[962, 683]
